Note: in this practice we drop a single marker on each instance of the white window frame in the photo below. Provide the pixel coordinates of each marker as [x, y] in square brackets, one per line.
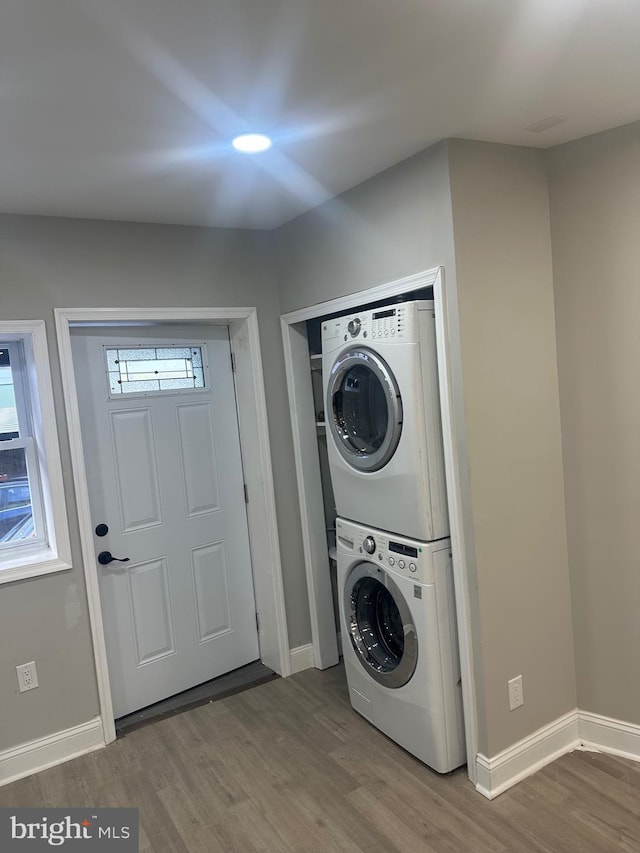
[50, 551]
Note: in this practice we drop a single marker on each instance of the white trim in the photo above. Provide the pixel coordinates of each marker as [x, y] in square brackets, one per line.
[33, 566]
[86, 528]
[609, 735]
[426, 278]
[55, 556]
[53, 493]
[310, 489]
[495, 775]
[144, 316]
[261, 509]
[37, 755]
[301, 658]
[310, 500]
[453, 438]
[262, 515]
[575, 730]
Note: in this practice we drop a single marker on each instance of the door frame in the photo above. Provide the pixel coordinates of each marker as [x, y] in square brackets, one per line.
[256, 458]
[296, 355]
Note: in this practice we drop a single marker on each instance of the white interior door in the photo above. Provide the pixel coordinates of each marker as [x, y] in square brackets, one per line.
[165, 476]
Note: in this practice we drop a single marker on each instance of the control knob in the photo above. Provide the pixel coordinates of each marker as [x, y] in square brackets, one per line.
[354, 326]
[369, 544]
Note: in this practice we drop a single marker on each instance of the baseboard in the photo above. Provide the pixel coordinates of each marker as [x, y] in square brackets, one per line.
[495, 775]
[608, 735]
[301, 658]
[37, 755]
[575, 730]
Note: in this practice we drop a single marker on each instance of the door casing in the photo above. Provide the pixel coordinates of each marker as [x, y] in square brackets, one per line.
[254, 441]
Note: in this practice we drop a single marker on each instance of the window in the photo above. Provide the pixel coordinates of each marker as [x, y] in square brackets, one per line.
[21, 516]
[33, 528]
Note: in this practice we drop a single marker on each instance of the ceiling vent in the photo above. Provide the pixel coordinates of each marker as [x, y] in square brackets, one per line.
[546, 123]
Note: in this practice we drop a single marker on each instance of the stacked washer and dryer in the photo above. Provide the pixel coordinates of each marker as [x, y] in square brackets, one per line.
[394, 569]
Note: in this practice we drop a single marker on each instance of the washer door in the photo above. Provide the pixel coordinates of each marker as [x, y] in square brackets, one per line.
[365, 408]
[380, 625]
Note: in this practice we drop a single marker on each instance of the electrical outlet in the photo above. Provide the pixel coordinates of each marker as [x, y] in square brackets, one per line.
[27, 676]
[516, 698]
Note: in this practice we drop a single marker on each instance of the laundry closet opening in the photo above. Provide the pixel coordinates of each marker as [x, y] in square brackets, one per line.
[352, 440]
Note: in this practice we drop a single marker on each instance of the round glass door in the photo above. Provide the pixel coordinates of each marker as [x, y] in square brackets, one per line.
[380, 626]
[365, 409]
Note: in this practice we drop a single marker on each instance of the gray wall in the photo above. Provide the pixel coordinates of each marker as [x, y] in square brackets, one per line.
[55, 263]
[393, 225]
[511, 404]
[595, 216]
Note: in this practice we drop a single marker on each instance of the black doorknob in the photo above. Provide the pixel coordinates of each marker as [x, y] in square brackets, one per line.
[102, 530]
[106, 557]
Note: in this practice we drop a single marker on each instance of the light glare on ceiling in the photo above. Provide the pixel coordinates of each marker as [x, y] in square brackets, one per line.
[251, 143]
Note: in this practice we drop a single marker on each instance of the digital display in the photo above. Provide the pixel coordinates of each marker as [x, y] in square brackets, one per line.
[379, 315]
[405, 550]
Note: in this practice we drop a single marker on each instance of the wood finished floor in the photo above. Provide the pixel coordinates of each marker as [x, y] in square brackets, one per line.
[288, 766]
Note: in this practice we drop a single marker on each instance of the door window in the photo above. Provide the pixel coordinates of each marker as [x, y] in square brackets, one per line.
[152, 370]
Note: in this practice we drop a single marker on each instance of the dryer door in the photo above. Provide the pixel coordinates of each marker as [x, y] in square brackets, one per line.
[364, 409]
[380, 625]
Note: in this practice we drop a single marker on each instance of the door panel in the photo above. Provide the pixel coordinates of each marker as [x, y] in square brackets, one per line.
[136, 469]
[210, 579]
[151, 610]
[165, 474]
[195, 430]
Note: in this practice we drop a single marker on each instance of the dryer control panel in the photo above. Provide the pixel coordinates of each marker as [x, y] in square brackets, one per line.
[389, 323]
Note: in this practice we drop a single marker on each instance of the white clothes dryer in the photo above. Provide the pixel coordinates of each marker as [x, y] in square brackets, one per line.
[382, 413]
[399, 640]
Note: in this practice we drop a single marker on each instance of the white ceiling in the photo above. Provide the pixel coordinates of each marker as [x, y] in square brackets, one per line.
[124, 109]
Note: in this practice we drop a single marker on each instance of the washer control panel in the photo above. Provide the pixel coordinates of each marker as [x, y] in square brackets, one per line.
[369, 544]
[397, 554]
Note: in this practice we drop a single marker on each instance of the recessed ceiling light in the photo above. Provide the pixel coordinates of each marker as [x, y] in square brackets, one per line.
[251, 143]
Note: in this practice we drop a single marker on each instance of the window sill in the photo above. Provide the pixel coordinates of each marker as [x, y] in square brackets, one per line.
[21, 567]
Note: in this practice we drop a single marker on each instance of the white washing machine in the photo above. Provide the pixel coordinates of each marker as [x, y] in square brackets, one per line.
[399, 640]
[382, 413]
